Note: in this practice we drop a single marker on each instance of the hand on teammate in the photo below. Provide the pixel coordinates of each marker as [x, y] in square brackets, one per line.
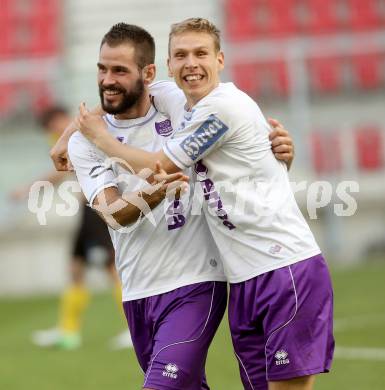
[90, 124]
[174, 184]
[281, 142]
[59, 154]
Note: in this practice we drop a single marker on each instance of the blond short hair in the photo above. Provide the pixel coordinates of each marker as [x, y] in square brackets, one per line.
[196, 25]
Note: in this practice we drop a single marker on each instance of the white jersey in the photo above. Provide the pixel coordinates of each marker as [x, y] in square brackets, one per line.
[153, 256]
[250, 207]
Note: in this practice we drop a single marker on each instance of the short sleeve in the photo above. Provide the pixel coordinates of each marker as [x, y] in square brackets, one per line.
[205, 131]
[167, 98]
[89, 163]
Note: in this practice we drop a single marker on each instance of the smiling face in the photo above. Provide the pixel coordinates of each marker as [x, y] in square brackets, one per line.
[195, 64]
[120, 80]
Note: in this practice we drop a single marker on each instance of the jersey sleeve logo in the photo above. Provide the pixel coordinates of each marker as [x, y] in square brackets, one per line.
[205, 136]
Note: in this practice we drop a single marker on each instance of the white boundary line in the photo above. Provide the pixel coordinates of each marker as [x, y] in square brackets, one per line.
[358, 322]
[357, 353]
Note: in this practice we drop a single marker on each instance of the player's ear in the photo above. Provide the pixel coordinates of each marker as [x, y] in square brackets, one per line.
[149, 73]
[170, 74]
[221, 60]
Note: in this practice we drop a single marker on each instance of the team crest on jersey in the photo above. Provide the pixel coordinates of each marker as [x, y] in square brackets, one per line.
[170, 370]
[163, 128]
[208, 133]
[120, 139]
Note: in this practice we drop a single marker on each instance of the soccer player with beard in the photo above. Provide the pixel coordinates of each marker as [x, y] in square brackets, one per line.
[281, 300]
[173, 284]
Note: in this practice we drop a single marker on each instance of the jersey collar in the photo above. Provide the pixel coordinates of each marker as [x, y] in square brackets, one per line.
[126, 123]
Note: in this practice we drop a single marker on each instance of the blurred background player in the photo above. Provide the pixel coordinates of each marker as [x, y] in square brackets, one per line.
[91, 246]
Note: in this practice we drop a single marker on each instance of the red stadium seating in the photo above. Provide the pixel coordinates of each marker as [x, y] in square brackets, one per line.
[239, 20]
[5, 41]
[29, 28]
[7, 7]
[268, 78]
[369, 148]
[364, 14]
[45, 36]
[46, 8]
[245, 77]
[326, 152]
[250, 19]
[322, 17]
[325, 74]
[367, 70]
[279, 77]
[281, 18]
[381, 12]
[253, 19]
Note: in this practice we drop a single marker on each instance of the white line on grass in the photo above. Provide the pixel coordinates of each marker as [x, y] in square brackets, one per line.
[358, 322]
[356, 353]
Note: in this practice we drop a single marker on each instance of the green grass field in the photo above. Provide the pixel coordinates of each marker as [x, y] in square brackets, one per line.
[359, 362]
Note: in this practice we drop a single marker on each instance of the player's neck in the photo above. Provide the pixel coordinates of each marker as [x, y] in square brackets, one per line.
[139, 110]
[192, 100]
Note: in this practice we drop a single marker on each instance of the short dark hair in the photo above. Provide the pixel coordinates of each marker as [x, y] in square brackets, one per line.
[141, 39]
[50, 113]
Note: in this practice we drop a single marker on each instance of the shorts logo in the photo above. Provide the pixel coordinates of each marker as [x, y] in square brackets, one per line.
[163, 128]
[282, 357]
[170, 370]
[205, 136]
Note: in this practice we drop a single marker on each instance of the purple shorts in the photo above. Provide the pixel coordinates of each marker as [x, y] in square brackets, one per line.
[172, 332]
[281, 323]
